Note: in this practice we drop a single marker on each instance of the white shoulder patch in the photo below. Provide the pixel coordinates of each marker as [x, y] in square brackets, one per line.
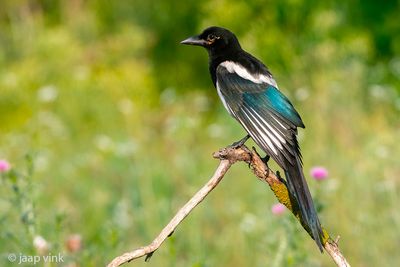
[233, 67]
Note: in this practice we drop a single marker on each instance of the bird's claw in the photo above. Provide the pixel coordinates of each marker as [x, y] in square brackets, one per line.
[266, 159]
[240, 143]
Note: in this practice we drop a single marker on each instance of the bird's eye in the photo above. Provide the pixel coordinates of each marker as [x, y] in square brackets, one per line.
[211, 37]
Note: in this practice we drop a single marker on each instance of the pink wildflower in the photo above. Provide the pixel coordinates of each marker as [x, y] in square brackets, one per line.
[4, 165]
[319, 173]
[74, 243]
[278, 209]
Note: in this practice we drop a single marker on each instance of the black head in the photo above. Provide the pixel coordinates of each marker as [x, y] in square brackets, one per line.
[216, 40]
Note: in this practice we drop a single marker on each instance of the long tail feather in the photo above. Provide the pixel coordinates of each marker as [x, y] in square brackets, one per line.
[297, 186]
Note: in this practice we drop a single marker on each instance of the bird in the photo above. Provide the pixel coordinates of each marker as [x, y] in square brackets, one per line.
[251, 95]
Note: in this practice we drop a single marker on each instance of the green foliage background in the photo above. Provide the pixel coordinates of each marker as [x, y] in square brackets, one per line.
[109, 125]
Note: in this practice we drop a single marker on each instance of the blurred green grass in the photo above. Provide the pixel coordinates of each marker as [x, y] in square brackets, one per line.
[119, 122]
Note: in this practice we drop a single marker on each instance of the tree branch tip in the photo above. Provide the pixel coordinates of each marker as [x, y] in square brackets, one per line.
[221, 154]
[233, 154]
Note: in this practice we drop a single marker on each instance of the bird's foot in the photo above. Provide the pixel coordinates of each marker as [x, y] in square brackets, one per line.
[265, 159]
[240, 143]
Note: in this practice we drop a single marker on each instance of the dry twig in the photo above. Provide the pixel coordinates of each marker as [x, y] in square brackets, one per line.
[229, 156]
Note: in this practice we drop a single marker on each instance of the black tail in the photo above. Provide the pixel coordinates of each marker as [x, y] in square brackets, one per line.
[297, 186]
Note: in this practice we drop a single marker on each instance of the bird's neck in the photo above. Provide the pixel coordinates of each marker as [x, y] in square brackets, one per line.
[215, 58]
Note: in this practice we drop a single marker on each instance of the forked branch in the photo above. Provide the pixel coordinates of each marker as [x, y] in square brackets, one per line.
[227, 157]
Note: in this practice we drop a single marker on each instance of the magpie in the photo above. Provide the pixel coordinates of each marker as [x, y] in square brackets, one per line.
[250, 94]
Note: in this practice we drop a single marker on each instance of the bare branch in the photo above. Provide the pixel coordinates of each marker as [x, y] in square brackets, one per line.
[229, 156]
[223, 167]
[333, 250]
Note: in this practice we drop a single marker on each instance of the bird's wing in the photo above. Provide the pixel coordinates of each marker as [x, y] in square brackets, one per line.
[271, 120]
[264, 112]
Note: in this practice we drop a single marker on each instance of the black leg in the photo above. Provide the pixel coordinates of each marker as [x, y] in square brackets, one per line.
[241, 142]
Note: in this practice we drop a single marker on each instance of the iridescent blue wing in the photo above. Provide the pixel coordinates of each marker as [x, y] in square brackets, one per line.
[264, 112]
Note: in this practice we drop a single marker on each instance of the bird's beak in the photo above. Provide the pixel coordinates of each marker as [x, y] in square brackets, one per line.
[194, 40]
